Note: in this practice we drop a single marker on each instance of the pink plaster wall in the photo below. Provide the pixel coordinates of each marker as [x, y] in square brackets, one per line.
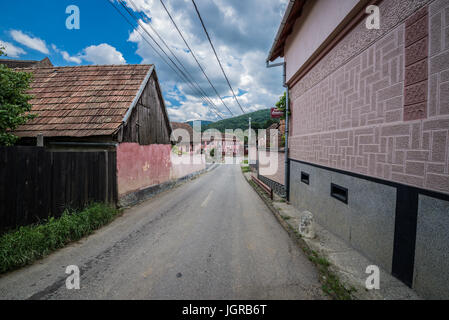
[272, 165]
[357, 118]
[142, 166]
[139, 166]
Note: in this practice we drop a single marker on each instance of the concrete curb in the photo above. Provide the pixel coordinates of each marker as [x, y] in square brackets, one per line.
[137, 197]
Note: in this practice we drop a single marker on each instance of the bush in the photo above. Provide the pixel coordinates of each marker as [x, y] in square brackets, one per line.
[14, 106]
[29, 243]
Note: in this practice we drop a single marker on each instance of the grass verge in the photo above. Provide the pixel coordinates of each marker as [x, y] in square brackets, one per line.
[330, 283]
[246, 169]
[26, 244]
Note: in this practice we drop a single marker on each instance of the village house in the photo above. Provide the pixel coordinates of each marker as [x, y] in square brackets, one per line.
[184, 141]
[368, 138]
[15, 63]
[112, 108]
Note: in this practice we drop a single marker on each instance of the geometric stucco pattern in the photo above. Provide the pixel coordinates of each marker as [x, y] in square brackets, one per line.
[393, 13]
[353, 119]
[416, 65]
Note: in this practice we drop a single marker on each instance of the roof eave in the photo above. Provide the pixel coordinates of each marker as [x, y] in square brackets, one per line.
[292, 13]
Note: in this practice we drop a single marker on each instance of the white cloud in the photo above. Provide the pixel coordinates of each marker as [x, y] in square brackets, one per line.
[103, 54]
[11, 50]
[30, 42]
[66, 56]
[242, 37]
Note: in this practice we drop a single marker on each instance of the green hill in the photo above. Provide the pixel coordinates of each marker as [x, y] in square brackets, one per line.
[260, 120]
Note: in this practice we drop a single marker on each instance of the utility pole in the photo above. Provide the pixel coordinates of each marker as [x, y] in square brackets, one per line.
[249, 135]
[249, 142]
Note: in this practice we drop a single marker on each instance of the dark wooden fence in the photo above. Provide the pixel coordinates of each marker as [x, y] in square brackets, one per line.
[36, 183]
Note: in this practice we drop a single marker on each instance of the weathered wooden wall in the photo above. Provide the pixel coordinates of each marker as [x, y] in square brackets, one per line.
[148, 123]
[36, 184]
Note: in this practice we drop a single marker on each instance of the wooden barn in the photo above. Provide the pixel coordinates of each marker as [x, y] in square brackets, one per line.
[96, 107]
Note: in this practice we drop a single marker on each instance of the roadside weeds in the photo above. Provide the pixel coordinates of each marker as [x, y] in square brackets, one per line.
[24, 245]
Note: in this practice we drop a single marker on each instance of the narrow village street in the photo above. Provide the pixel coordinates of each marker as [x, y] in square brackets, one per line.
[210, 238]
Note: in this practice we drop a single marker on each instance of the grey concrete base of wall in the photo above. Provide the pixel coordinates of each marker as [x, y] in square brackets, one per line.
[134, 198]
[367, 221]
[278, 188]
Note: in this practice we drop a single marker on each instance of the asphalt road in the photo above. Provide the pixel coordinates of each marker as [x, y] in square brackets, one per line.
[210, 238]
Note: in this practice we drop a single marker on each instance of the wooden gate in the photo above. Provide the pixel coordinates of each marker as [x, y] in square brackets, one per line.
[36, 184]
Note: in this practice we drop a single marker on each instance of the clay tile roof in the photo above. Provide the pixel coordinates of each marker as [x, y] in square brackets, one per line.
[81, 101]
[15, 63]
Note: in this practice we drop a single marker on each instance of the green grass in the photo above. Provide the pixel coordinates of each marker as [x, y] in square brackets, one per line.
[330, 283]
[21, 247]
[246, 169]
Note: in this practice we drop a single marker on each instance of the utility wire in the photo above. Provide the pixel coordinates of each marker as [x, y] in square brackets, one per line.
[155, 50]
[163, 51]
[216, 56]
[187, 73]
[194, 56]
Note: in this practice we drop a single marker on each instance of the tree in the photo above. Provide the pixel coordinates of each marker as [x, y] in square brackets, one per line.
[281, 105]
[14, 106]
[268, 123]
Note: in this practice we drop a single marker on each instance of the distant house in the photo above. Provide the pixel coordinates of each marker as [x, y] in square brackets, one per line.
[223, 143]
[15, 63]
[90, 106]
[275, 133]
[184, 144]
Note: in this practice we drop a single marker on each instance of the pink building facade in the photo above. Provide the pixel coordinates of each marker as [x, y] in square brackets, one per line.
[369, 128]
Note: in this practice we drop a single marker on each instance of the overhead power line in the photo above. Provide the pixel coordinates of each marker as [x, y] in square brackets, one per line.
[194, 56]
[160, 55]
[216, 56]
[187, 73]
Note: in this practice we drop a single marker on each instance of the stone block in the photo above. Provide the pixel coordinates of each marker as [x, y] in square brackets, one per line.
[416, 16]
[416, 93]
[416, 73]
[417, 51]
[306, 225]
[416, 31]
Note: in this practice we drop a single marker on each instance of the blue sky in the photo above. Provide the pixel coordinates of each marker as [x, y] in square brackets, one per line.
[242, 32]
